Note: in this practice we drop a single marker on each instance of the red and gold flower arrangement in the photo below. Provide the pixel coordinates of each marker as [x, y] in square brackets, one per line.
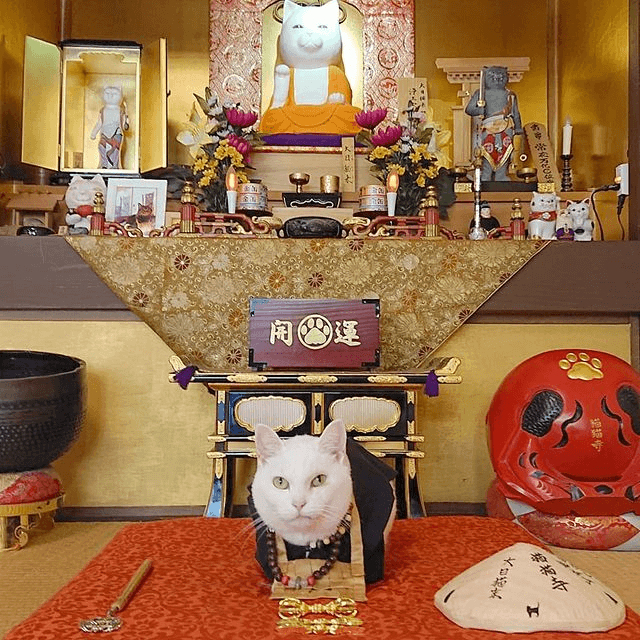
[409, 150]
[223, 138]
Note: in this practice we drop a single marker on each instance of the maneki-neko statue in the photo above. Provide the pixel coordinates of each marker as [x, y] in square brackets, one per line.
[564, 434]
[311, 92]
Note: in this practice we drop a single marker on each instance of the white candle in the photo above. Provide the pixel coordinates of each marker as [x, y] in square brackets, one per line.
[566, 137]
[477, 184]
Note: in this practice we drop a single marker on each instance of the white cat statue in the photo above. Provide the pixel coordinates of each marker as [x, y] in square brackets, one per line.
[543, 215]
[311, 92]
[111, 124]
[79, 199]
[303, 494]
[580, 220]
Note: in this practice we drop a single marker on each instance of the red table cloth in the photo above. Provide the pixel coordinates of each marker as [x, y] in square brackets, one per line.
[206, 584]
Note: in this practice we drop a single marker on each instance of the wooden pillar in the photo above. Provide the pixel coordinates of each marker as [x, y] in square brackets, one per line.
[634, 120]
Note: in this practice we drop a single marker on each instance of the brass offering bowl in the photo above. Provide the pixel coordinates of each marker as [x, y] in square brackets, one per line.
[299, 180]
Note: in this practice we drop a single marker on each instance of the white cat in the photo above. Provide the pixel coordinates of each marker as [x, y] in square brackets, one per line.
[543, 215]
[303, 489]
[79, 198]
[310, 43]
[581, 222]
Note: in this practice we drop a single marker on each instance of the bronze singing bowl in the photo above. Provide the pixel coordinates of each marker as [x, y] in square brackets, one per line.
[42, 407]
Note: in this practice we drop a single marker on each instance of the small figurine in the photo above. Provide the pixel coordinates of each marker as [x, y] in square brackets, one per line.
[497, 108]
[112, 122]
[581, 222]
[564, 226]
[79, 198]
[543, 215]
[487, 221]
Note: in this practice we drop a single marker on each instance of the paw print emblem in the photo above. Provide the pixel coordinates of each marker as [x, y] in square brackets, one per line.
[582, 367]
[315, 331]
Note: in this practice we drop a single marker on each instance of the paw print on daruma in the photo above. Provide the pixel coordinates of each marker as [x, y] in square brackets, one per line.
[582, 366]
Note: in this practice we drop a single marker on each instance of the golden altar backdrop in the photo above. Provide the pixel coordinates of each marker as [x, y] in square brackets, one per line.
[194, 292]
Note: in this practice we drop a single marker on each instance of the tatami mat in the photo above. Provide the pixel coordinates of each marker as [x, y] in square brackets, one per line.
[32, 575]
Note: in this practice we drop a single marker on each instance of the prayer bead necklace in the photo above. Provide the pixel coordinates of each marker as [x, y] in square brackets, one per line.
[335, 540]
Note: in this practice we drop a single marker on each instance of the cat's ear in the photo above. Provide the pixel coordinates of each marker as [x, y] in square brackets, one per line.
[267, 442]
[570, 203]
[99, 181]
[290, 7]
[333, 9]
[334, 439]
[75, 178]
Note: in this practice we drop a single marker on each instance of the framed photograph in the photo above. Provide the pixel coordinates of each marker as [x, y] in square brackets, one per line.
[140, 203]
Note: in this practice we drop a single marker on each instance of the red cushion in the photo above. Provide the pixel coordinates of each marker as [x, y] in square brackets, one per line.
[29, 486]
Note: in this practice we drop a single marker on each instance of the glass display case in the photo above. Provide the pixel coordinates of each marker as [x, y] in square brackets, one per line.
[95, 106]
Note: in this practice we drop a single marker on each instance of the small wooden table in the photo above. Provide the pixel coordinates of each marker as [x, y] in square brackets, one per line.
[378, 409]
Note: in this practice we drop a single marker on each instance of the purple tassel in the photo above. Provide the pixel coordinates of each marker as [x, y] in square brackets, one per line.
[183, 377]
[431, 385]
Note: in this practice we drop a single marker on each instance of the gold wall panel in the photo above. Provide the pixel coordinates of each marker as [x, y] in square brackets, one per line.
[19, 18]
[594, 88]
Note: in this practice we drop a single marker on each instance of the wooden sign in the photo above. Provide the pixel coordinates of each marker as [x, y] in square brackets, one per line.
[542, 154]
[413, 96]
[348, 164]
[314, 334]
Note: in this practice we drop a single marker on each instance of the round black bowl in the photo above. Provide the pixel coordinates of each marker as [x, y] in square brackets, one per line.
[42, 407]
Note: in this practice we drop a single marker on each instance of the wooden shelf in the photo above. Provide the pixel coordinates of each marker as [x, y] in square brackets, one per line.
[580, 278]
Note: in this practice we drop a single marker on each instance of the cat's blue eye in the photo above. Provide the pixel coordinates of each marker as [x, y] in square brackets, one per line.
[323, 26]
[318, 480]
[280, 483]
[297, 26]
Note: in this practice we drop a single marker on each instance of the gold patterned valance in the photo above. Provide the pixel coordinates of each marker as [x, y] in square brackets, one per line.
[194, 292]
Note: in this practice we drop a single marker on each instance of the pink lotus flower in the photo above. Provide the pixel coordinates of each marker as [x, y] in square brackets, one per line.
[240, 144]
[371, 119]
[242, 119]
[387, 137]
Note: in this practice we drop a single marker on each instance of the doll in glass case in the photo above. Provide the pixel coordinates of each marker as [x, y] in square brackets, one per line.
[112, 122]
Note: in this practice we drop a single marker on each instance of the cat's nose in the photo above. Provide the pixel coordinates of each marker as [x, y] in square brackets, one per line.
[299, 504]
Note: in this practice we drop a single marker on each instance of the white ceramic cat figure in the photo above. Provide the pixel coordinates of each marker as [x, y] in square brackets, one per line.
[310, 42]
[311, 91]
[303, 489]
[79, 198]
[580, 220]
[112, 122]
[543, 215]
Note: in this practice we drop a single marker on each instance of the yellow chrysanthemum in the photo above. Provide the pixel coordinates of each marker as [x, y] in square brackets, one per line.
[421, 180]
[379, 153]
[242, 177]
[396, 167]
[200, 163]
[204, 181]
[209, 173]
[432, 171]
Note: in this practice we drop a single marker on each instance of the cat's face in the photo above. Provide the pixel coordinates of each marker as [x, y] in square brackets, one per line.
[302, 486]
[496, 77]
[544, 201]
[310, 36]
[112, 95]
[579, 211]
[82, 190]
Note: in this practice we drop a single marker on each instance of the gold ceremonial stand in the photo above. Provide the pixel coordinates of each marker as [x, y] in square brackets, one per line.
[16, 520]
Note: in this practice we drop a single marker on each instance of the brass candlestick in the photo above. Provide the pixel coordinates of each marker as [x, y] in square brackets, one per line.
[527, 174]
[299, 179]
[567, 178]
